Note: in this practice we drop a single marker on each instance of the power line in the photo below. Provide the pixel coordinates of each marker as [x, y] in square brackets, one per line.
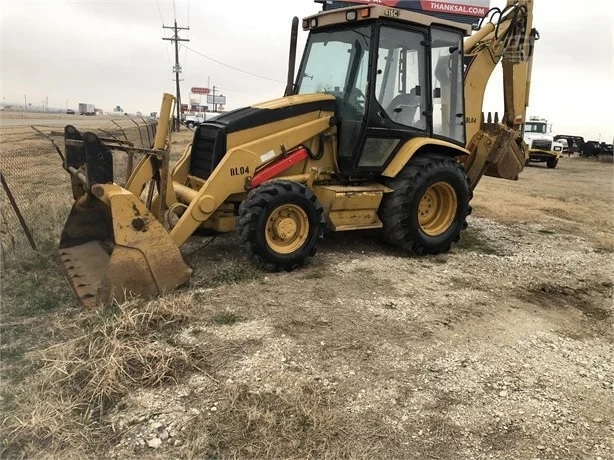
[232, 67]
[185, 55]
[160, 12]
[227, 90]
[177, 69]
[168, 56]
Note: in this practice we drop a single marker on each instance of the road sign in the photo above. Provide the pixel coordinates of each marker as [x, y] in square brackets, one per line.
[216, 99]
[198, 90]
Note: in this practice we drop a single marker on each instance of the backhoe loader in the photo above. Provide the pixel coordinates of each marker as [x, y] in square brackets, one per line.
[381, 128]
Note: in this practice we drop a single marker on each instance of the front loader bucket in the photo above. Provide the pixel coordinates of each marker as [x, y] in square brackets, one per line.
[112, 246]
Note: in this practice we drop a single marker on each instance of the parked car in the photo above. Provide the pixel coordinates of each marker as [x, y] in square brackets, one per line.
[70, 112]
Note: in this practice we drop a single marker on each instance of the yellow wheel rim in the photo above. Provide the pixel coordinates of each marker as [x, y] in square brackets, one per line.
[287, 228]
[437, 209]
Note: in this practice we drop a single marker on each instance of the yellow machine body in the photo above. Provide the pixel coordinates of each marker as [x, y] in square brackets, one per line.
[278, 172]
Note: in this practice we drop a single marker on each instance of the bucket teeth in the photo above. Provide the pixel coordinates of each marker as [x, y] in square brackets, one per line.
[85, 267]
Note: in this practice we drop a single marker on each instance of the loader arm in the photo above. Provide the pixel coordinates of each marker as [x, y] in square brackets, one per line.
[496, 147]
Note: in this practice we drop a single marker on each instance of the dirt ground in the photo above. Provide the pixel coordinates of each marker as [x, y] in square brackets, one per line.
[503, 348]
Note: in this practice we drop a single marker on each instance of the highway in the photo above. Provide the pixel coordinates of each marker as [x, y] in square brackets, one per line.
[20, 119]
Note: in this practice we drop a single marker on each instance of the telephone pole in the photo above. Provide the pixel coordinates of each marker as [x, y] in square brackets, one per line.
[177, 68]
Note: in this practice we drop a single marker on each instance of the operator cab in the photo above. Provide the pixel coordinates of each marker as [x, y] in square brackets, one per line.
[396, 75]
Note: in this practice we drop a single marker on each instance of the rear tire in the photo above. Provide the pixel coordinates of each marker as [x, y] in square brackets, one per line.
[280, 225]
[429, 205]
[552, 162]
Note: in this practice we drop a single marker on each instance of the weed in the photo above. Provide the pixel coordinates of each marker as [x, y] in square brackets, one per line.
[35, 285]
[9, 333]
[226, 319]
[12, 353]
[234, 274]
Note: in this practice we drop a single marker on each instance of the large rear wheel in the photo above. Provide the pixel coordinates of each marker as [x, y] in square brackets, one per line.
[429, 205]
[280, 225]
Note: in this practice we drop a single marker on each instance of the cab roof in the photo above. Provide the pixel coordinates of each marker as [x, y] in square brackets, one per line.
[370, 12]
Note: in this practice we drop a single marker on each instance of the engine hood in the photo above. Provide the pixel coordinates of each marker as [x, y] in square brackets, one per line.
[538, 137]
[274, 111]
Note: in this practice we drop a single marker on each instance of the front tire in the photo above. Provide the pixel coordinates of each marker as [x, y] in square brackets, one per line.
[552, 162]
[429, 205]
[280, 225]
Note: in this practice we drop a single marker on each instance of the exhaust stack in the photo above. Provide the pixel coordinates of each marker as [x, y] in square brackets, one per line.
[292, 58]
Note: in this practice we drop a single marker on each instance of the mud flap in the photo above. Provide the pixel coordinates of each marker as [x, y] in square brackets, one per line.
[112, 247]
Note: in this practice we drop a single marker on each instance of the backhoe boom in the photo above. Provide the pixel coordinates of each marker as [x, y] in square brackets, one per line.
[496, 147]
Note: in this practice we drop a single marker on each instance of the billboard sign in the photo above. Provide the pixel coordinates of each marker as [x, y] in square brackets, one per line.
[465, 11]
[216, 100]
[200, 90]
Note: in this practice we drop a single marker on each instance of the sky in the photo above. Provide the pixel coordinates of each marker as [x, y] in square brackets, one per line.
[109, 53]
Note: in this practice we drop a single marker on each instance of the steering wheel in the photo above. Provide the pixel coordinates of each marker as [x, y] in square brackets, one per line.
[357, 98]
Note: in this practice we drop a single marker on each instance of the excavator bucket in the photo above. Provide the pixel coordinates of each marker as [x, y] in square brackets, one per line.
[112, 245]
[497, 151]
[508, 159]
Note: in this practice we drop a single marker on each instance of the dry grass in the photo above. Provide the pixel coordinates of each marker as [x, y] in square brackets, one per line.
[303, 423]
[77, 381]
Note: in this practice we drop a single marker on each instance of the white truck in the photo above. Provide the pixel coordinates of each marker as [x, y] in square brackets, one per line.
[542, 146]
[194, 119]
[87, 109]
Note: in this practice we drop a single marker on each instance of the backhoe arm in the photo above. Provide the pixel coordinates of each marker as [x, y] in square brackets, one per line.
[497, 148]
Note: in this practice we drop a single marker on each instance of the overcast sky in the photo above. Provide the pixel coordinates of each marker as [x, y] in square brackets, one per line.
[111, 53]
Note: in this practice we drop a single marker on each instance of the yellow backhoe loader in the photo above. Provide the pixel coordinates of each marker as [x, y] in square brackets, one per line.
[382, 128]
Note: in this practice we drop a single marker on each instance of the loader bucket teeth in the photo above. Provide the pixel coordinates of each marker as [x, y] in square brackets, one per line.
[112, 246]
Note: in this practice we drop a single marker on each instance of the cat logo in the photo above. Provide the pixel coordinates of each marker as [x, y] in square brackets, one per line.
[392, 13]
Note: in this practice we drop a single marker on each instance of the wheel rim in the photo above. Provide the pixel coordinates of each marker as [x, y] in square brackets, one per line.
[287, 228]
[437, 209]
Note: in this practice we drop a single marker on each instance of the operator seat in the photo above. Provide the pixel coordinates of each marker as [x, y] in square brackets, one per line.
[403, 109]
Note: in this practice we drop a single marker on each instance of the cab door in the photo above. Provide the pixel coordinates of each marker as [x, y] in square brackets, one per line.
[448, 85]
[399, 106]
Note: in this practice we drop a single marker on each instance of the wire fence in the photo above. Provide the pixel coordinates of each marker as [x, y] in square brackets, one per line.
[36, 196]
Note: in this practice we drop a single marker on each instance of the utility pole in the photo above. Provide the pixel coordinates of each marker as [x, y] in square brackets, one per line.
[177, 68]
[214, 105]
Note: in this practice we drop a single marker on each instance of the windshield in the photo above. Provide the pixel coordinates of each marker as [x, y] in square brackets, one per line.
[535, 128]
[336, 62]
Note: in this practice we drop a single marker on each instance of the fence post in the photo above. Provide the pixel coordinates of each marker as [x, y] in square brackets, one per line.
[17, 212]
